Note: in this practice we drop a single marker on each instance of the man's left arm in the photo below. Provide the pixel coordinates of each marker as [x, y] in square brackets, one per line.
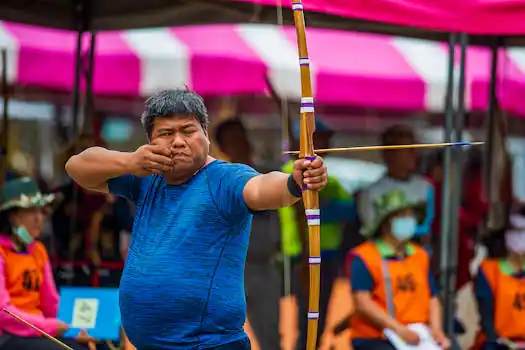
[276, 189]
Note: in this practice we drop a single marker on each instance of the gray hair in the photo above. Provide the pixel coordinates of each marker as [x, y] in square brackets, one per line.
[170, 103]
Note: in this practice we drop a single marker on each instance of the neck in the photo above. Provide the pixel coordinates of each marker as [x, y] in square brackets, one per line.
[182, 177]
[399, 247]
[17, 243]
[517, 261]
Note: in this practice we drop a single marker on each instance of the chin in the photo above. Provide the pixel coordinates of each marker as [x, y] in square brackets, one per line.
[36, 235]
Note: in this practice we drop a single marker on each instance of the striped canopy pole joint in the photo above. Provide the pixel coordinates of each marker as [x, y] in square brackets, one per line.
[310, 198]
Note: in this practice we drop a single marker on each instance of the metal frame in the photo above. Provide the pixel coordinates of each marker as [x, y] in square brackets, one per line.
[5, 118]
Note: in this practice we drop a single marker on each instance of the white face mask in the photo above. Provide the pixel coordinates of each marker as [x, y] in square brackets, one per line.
[515, 238]
[515, 241]
[404, 227]
[23, 234]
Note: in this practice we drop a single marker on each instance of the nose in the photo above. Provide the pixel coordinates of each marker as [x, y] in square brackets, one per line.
[178, 141]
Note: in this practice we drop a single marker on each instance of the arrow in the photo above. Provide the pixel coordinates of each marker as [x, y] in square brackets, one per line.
[53, 339]
[392, 147]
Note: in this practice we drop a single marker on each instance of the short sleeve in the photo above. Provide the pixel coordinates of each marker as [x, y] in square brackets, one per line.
[232, 180]
[481, 286]
[434, 290]
[126, 186]
[360, 277]
[485, 300]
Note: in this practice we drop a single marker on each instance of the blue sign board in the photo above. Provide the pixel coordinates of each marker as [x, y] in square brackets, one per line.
[95, 310]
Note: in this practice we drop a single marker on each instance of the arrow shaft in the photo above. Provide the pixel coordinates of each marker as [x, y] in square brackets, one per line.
[391, 147]
[50, 337]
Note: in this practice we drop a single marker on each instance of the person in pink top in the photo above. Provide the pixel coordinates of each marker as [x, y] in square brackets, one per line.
[27, 287]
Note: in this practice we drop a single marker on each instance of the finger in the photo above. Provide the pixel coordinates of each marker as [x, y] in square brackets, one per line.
[314, 180]
[316, 186]
[317, 162]
[160, 149]
[313, 172]
[304, 163]
[158, 166]
[92, 345]
[161, 159]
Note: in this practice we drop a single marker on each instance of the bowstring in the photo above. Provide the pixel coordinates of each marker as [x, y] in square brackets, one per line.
[284, 99]
[285, 144]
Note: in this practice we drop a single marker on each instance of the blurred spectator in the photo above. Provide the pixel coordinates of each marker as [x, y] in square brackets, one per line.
[391, 279]
[263, 280]
[105, 236]
[336, 207]
[23, 165]
[26, 281]
[500, 292]
[401, 165]
[125, 214]
[471, 213]
[71, 221]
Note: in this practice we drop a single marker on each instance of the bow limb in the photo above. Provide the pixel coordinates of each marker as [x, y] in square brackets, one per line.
[310, 198]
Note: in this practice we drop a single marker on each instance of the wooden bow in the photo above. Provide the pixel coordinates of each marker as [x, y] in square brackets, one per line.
[310, 198]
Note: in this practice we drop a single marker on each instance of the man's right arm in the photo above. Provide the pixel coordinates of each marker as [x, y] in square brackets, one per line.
[92, 168]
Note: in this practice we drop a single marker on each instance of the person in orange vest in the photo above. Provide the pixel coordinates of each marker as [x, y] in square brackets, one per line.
[391, 279]
[27, 287]
[500, 293]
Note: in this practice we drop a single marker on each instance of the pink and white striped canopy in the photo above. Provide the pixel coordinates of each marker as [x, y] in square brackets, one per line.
[349, 68]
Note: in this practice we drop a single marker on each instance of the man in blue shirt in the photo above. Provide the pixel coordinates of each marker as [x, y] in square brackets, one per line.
[183, 283]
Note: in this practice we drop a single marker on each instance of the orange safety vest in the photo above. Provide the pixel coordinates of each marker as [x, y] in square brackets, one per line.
[24, 276]
[411, 289]
[509, 302]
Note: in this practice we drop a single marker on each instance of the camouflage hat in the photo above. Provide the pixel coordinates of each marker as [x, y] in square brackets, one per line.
[23, 193]
[388, 204]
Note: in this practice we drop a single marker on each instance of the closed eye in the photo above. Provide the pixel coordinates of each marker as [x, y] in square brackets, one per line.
[189, 131]
[164, 133]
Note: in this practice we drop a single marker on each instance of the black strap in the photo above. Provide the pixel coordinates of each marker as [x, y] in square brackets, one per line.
[294, 188]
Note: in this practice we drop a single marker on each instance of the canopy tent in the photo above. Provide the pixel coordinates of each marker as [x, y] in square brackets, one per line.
[418, 18]
[476, 17]
[126, 14]
[388, 72]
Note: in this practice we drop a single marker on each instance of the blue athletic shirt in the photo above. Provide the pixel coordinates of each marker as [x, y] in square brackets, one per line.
[183, 281]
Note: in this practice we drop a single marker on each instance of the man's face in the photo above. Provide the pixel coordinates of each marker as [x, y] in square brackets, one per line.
[187, 140]
[403, 160]
[236, 145]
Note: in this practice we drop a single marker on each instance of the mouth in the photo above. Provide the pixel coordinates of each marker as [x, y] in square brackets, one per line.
[179, 156]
